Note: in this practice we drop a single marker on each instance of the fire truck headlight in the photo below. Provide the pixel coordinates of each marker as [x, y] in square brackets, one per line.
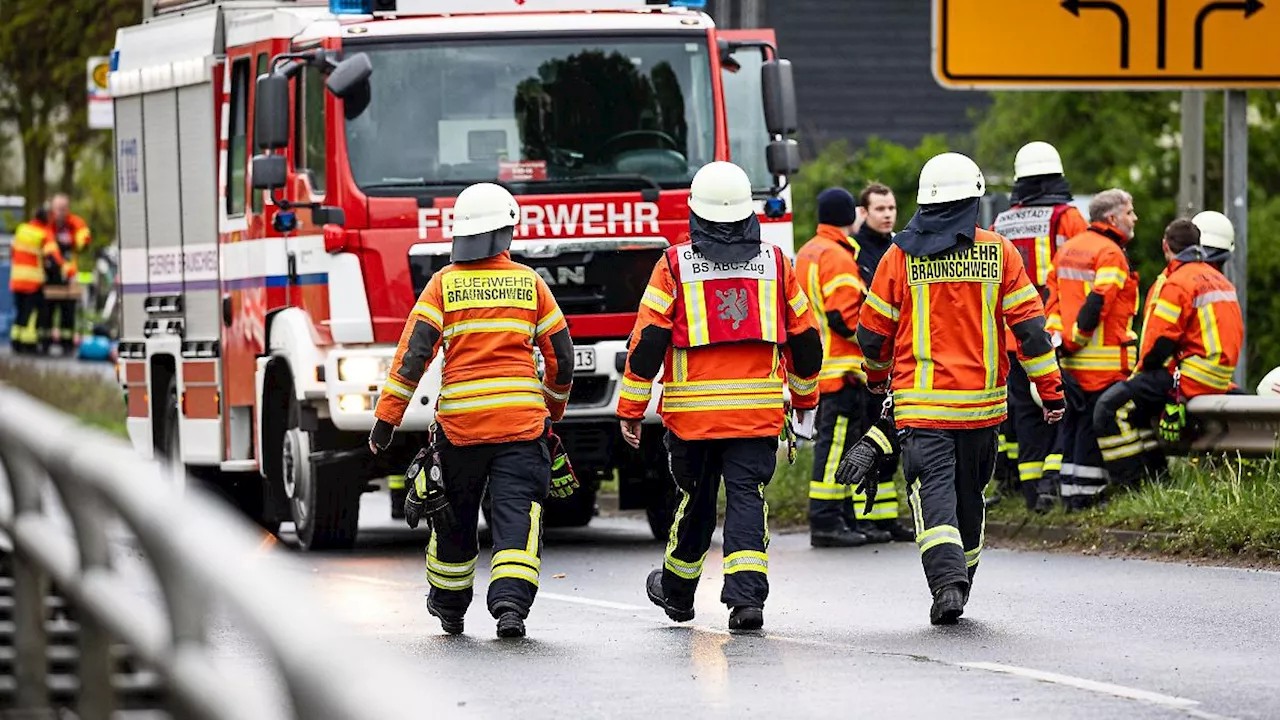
[364, 370]
[353, 403]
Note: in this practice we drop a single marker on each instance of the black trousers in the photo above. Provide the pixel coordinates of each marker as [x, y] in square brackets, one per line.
[843, 417]
[24, 335]
[66, 325]
[1039, 445]
[518, 476]
[746, 465]
[947, 471]
[1125, 414]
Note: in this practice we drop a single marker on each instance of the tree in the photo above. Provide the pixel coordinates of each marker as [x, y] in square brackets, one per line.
[44, 47]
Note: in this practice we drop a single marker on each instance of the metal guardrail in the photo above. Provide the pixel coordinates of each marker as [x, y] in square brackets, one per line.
[1244, 424]
[201, 554]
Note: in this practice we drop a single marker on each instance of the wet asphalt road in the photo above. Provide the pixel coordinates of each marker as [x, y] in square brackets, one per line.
[846, 635]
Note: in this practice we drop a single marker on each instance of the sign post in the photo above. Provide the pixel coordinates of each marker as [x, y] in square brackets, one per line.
[1188, 45]
[101, 110]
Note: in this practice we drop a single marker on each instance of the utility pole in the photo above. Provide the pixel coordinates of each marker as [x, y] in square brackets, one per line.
[1191, 184]
[1235, 204]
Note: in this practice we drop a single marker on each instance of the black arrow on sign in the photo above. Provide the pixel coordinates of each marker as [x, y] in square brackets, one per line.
[1162, 23]
[1249, 7]
[1075, 6]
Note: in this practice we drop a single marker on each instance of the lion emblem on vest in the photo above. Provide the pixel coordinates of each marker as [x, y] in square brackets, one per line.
[733, 305]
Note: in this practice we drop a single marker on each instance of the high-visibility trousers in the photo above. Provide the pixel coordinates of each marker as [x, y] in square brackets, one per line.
[518, 475]
[947, 471]
[746, 466]
[1039, 444]
[1125, 414]
[843, 417]
[23, 334]
[1090, 458]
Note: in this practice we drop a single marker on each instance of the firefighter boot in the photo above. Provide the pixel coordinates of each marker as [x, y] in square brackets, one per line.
[872, 531]
[510, 624]
[653, 587]
[837, 537]
[450, 624]
[948, 605]
[896, 530]
[746, 617]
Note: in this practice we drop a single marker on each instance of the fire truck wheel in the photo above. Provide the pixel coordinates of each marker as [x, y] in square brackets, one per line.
[325, 509]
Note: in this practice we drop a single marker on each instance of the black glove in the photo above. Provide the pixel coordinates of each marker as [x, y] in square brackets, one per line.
[861, 464]
[426, 497]
[380, 435]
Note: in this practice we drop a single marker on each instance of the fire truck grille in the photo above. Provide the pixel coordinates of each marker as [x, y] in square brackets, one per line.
[584, 283]
[590, 391]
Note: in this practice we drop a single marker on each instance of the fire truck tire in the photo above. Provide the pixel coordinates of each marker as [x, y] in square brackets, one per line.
[573, 511]
[326, 510]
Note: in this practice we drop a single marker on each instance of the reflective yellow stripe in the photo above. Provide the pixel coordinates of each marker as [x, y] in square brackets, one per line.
[1209, 331]
[695, 308]
[1044, 259]
[471, 388]
[466, 327]
[722, 402]
[656, 299]
[799, 303]
[1030, 471]
[938, 535]
[834, 455]
[746, 561]
[27, 273]
[941, 413]
[960, 398]
[680, 358]
[800, 386]
[397, 388]
[548, 321]
[1110, 276]
[448, 576]
[768, 298]
[827, 491]
[489, 402]
[430, 312]
[1080, 337]
[883, 307]
[535, 528]
[843, 280]
[1099, 358]
[720, 387]
[1207, 373]
[636, 390]
[1054, 322]
[923, 346]
[515, 557]
[1041, 365]
[1053, 463]
[1017, 297]
[518, 572]
[688, 571]
[554, 394]
[990, 338]
[1166, 311]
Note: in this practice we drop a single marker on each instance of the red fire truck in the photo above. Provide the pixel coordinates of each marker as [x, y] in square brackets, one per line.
[285, 176]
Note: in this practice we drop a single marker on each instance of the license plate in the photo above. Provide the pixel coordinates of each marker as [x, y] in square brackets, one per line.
[584, 359]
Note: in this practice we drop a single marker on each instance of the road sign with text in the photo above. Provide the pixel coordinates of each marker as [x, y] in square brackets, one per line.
[1106, 44]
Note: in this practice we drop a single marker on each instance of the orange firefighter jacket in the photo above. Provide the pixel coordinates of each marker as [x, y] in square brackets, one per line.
[1038, 232]
[827, 267]
[719, 389]
[489, 314]
[32, 243]
[943, 320]
[1198, 310]
[74, 238]
[1094, 263]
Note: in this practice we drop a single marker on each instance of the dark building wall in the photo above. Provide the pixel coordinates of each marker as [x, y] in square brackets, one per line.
[862, 68]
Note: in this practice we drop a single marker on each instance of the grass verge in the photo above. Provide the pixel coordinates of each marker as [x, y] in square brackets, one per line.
[88, 396]
[1211, 507]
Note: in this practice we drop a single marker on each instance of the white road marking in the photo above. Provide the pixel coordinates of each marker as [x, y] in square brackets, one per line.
[607, 604]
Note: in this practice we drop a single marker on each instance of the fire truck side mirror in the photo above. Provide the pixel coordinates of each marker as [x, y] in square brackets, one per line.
[271, 112]
[350, 74]
[269, 172]
[779, 97]
[328, 215]
[783, 157]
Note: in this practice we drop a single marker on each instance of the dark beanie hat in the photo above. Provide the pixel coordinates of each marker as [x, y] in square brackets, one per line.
[837, 206]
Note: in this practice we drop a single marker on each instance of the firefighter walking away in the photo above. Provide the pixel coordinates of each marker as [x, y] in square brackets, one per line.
[493, 414]
[933, 319]
[727, 323]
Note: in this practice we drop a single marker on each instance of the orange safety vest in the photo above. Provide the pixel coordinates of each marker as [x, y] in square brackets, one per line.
[827, 266]
[1038, 232]
[33, 243]
[726, 302]
[489, 315]
[1197, 308]
[1095, 262]
[944, 319]
[714, 385]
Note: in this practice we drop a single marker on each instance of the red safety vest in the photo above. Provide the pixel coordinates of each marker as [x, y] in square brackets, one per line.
[727, 302]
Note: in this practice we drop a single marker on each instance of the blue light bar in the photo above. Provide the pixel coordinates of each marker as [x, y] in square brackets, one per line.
[698, 4]
[351, 7]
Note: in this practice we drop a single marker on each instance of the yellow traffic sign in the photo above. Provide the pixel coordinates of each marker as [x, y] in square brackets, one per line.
[100, 72]
[1106, 44]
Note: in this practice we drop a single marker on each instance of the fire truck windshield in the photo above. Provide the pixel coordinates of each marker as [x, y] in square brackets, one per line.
[565, 114]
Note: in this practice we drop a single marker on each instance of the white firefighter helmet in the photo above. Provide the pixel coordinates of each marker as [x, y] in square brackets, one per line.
[484, 219]
[721, 192]
[950, 177]
[1216, 231]
[1270, 384]
[1037, 158]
